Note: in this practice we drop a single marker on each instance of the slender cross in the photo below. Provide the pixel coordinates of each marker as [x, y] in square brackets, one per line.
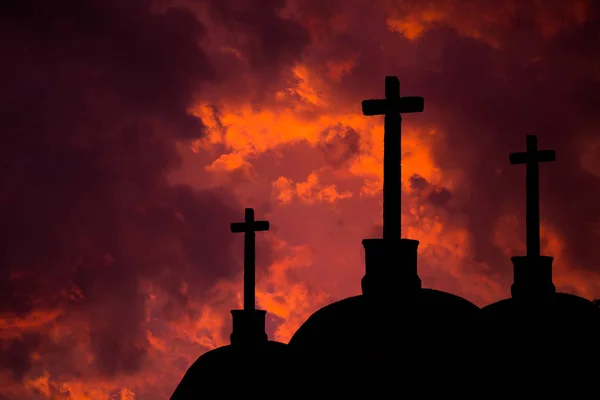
[392, 106]
[532, 157]
[249, 227]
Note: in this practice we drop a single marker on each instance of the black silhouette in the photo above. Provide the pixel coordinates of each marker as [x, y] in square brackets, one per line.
[249, 226]
[532, 157]
[392, 107]
[395, 325]
[538, 328]
[239, 368]
[397, 335]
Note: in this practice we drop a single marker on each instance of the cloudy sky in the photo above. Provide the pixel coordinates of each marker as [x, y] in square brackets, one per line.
[134, 132]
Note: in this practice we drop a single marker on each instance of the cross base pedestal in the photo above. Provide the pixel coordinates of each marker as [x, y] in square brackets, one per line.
[248, 328]
[391, 267]
[532, 278]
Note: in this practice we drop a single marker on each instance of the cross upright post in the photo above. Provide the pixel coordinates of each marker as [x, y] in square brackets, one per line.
[531, 158]
[249, 227]
[392, 107]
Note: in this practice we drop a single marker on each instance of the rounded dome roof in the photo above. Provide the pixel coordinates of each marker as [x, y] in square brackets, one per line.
[360, 337]
[392, 295]
[353, 309]
[558, 337]
[233, 363]
[536, 306]
[563, 306]
[563, 313]
[360, 320]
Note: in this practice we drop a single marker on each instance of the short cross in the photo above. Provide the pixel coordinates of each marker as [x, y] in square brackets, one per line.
[392, 106]
[249, 227]
[532, 157]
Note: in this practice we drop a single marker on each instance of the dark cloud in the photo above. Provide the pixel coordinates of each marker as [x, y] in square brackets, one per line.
[417, 182]
[439, 196]
[94, 99]
[433, 194]
[339, 144]
[253, 46]
[267, 39]
[16, 354]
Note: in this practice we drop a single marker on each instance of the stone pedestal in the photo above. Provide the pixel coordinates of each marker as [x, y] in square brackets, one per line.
[248, 328]
[390, 268]
[532, 278]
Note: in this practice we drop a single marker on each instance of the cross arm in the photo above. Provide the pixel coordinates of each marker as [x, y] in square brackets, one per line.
[402, 105]
[256, 226]
[541, 156]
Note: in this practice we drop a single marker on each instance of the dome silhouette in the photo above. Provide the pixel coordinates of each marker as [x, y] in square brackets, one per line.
[394, 321]
[537, 328]
[240, 367]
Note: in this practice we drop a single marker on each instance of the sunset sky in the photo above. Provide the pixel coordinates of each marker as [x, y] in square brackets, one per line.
[133, 132]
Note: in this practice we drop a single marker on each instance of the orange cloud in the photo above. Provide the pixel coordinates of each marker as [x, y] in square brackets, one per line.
[336, 70]
[14, 326]
[288, 299]
[417, 158]
[487, 21]
[308, 191]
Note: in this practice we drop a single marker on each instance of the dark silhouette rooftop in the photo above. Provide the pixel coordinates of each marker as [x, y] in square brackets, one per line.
[250, 356]
[394, 320]
[537, 325]
[425, 336]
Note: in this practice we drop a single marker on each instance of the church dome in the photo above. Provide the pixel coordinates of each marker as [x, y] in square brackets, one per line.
[393, 321]
[242, 366]
[352, 318]
[538, 328]
[348, 323]
[536, 305]
[395, 325]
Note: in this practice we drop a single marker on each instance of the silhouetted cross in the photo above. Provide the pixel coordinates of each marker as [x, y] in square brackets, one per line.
[392, 106]
[532, 157]
[249, 226]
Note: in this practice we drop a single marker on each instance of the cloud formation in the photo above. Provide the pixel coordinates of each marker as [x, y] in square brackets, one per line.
[95, 99]
[113, 277]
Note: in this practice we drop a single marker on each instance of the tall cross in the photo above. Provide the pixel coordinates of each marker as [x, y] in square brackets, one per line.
[392, 106]
[249, 227]
[532, 157]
